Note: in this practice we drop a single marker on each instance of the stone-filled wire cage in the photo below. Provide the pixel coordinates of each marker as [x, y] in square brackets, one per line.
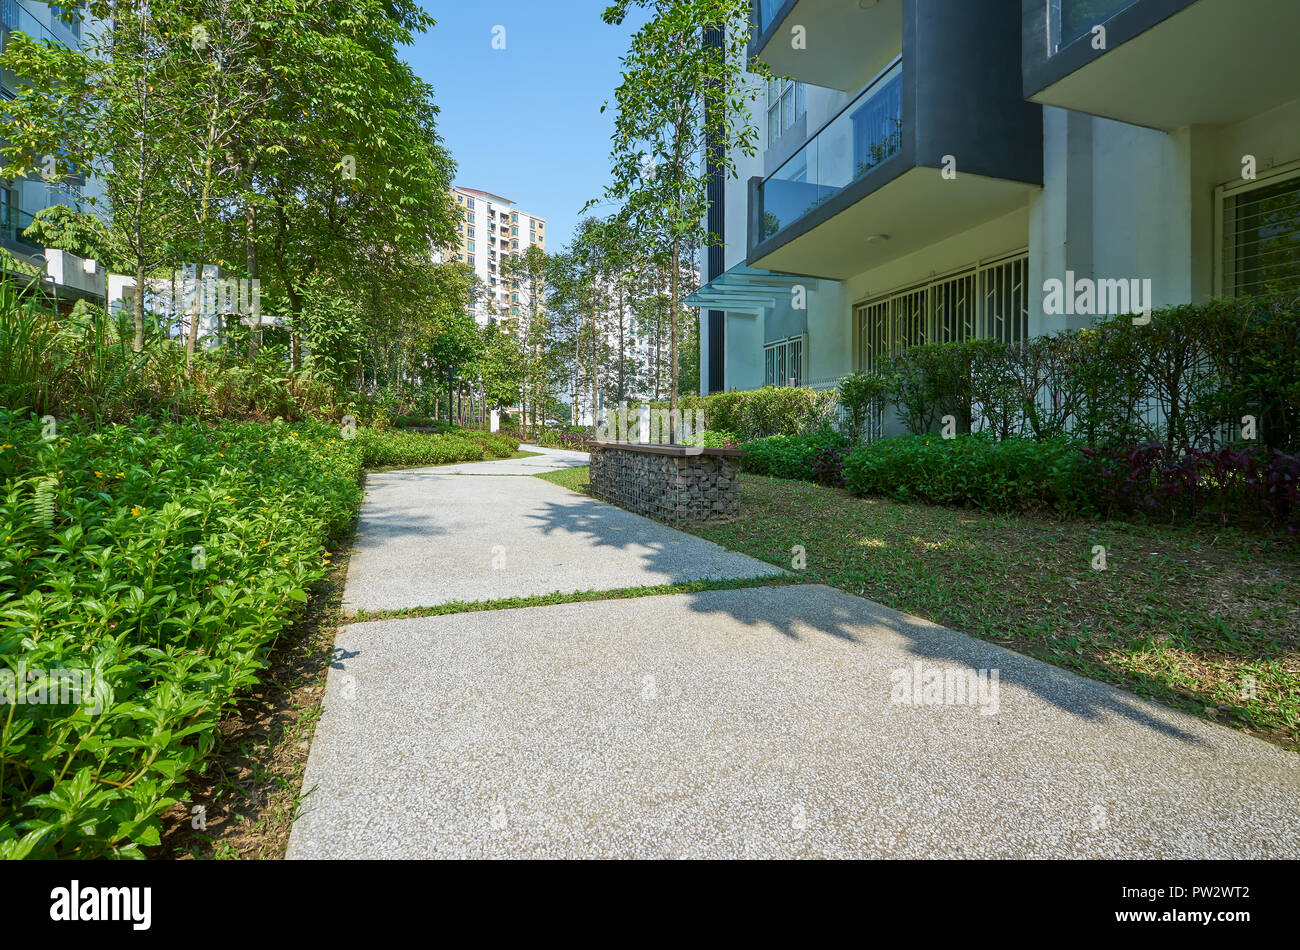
[670, 483]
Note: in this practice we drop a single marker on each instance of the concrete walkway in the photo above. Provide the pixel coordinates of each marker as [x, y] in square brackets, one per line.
[433, 535]
[765, 722]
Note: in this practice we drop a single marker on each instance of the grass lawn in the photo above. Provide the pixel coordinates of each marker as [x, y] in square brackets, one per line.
[1184, 616]
[574, 479]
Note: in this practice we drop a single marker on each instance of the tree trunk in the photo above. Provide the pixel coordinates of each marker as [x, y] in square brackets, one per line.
[672, 349]
[250, 257]
[191, 341]
[137, 307]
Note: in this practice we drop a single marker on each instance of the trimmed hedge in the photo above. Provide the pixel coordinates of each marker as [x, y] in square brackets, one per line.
[974, 470]
[388, 448]
[757, 413]
[1206, 367]
[812, 456]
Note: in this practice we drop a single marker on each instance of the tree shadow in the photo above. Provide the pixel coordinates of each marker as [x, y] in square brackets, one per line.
[798, 611]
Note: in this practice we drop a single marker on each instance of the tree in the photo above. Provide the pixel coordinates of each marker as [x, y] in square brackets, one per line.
[111, 109]
[455, 346]
[230, 86]
[529, 269]
[682, 116]
[77, 232]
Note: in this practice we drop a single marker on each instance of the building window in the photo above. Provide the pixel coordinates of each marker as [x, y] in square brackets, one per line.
[469, 202]
[1072, 19]
[469, 246]
[471, 232]
[514, 216]
[783, 362]
[987, 301]
[1260, 237]
[471, 260]
[785, 103]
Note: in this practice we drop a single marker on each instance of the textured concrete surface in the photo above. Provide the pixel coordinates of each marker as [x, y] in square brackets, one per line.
[757, 723]
[427, 537]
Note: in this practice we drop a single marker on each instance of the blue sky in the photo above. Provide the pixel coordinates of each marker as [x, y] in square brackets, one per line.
[525, 122]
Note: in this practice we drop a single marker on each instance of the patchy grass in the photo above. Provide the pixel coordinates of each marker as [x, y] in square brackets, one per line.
[522, 454]
[574, 479]
[545, 600]
[249, 786]
[1183, 616]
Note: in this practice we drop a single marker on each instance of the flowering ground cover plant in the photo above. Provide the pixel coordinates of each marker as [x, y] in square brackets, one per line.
[163, 560]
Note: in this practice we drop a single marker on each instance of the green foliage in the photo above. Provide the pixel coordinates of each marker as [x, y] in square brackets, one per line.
[1177, 380]
[790, 456]
[682, 116]
[397, 448]
[77, 232]
[756, 413]
[172, 557]
[711, 439]
[933, 380]
[87, 364]
[1008, 475]
[331, 327]
[861, 394]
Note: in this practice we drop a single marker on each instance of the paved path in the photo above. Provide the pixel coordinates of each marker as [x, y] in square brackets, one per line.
[432, 535]
[751, 723]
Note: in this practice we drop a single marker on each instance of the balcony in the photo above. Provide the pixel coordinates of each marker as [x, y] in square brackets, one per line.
[1166, 63]
[870, 184]
[866, 133]
[842, 44]
[14, 16]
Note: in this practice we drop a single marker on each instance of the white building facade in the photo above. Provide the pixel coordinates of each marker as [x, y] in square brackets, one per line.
[492, 230]
[933, 164]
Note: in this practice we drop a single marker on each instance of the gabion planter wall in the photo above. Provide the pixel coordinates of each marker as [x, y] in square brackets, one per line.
[670, 483]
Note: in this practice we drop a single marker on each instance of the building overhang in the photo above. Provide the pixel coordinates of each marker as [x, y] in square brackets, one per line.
[839, 44]
[746, 290]
[1168, 63]
[867, 225]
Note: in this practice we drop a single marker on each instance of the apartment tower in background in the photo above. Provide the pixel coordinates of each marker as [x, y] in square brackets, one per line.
[492, 229]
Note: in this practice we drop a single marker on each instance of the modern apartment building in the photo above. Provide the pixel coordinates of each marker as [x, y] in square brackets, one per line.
[493, 229]
[65, 277]
[930, 165]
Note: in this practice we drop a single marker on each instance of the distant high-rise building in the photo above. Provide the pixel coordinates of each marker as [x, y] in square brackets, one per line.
[491, 230]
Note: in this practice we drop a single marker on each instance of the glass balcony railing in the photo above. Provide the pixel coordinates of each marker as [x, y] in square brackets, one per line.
[766, 11]
[13, 221]
[15, 16]
[1075, 18]
[861, 135]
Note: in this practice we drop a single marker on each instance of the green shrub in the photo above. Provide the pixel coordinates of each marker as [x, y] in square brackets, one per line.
[862, 394]
[397, 448]
[790, 456]
[162, 560]
[1181, 379]
[975, 470]
[757, 413]
[711, 439]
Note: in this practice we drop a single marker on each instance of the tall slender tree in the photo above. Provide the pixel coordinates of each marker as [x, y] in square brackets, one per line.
[682, 115]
